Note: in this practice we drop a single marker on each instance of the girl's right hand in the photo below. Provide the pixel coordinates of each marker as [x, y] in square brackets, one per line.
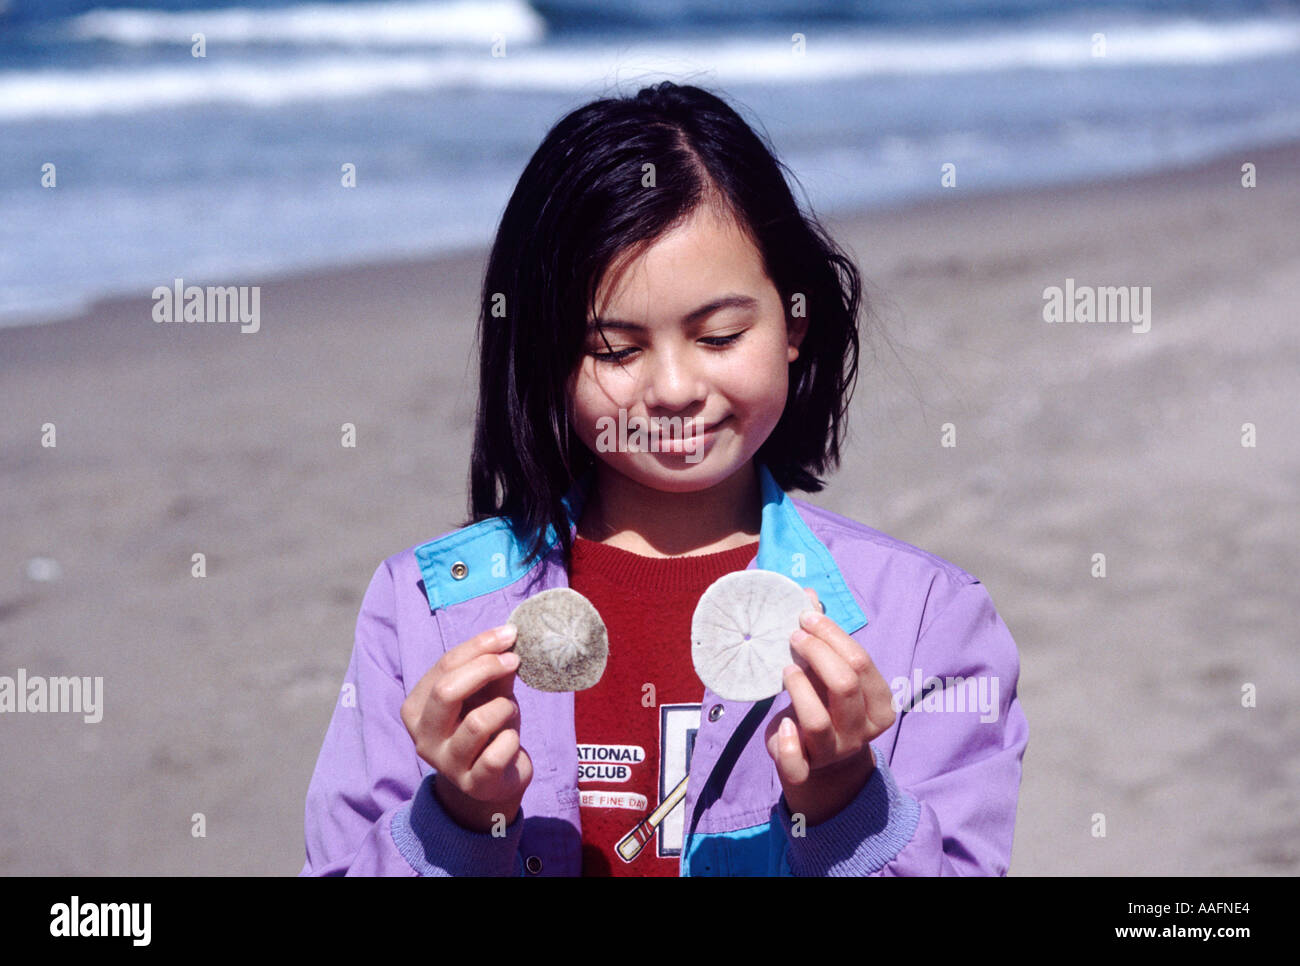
[464, 721]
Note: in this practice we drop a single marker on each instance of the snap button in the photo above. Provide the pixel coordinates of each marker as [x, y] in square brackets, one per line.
[533, 864]
[459, 570]
[715, 712]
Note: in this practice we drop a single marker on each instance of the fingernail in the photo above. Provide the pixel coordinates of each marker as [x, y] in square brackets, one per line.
[509, 660]
[786, 728]
[507, 632]
[799, 636]
[808, 618]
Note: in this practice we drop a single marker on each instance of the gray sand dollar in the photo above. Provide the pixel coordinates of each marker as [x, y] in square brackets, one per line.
[562, 642]
[740, 634]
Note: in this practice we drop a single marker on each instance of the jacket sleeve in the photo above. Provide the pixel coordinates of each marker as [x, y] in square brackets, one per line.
[944, 802]
[369, 810]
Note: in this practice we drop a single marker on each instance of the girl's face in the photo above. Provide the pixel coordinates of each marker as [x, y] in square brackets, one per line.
[698, 341]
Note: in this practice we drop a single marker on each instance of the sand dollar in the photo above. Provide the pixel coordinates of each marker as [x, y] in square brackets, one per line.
[562, 642]
[740, 634]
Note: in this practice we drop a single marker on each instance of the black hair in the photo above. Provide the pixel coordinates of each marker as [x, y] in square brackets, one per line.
[579, 207]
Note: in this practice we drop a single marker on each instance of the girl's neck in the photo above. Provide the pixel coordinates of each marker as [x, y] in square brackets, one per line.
[625, 514]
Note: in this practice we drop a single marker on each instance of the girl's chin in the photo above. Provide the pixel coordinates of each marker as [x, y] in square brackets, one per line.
[671, 473]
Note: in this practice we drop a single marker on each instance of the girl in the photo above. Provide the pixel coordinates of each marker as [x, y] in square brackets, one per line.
[652, 265]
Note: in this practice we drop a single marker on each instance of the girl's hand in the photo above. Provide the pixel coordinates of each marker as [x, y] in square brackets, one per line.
[838, 703]
[464, 721]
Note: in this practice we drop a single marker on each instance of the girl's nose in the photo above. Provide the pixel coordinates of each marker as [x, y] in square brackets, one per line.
[672, 382]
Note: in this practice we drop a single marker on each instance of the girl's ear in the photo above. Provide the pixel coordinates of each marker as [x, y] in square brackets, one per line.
[796, 329]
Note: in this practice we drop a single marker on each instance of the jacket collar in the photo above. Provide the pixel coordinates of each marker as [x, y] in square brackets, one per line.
[487, 556]
[788, 546]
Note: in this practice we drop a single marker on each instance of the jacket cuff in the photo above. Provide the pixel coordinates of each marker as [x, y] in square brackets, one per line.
[863, 838]
[431, 841]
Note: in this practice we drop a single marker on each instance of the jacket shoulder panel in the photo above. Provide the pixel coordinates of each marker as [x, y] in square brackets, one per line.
[471, 561]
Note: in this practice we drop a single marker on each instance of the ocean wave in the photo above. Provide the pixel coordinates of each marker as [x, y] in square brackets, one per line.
[360, 24]
[570, 68]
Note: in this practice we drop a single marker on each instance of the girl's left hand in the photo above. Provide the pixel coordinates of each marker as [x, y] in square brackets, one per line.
[838, 703]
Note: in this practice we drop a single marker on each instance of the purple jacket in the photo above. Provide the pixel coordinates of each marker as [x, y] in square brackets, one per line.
[942, 800]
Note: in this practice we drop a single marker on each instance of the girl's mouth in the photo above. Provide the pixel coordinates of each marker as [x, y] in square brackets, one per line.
[692, 438]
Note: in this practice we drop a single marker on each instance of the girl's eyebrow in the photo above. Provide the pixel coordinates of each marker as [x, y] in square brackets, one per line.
[731, 300]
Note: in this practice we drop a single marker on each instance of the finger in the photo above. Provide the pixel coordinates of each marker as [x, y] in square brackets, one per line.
[879, 700]
[816, 729]
[497, 769]
[498, 687]
[824, 628]
[474, 733]
[841, 688]
[453, 690]
[494, 639]
[784, 746]
[816, 602]
[871, 683]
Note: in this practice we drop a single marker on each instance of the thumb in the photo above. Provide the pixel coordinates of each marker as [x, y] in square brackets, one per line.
[786, 750]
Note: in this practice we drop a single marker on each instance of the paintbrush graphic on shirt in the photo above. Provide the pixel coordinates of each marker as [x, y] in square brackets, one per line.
[631, 844]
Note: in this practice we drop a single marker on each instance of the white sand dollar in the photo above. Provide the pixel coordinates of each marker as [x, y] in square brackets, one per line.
[562, 642]
[740, 634]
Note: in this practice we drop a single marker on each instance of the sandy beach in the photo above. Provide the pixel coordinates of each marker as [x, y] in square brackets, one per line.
[1163, 697]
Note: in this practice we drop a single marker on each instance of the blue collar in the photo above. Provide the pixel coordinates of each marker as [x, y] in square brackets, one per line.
[787, 546]
[487, 556]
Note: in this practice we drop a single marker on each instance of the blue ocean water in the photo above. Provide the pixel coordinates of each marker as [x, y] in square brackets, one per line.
[228, 166]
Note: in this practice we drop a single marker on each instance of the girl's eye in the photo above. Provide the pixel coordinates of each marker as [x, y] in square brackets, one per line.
[720, 340]
[618, 355]
[615, 356]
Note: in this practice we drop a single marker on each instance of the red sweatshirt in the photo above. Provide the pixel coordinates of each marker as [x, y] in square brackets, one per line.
[636, 727]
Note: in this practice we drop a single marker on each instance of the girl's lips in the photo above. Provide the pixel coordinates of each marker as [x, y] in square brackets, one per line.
[691, 440]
